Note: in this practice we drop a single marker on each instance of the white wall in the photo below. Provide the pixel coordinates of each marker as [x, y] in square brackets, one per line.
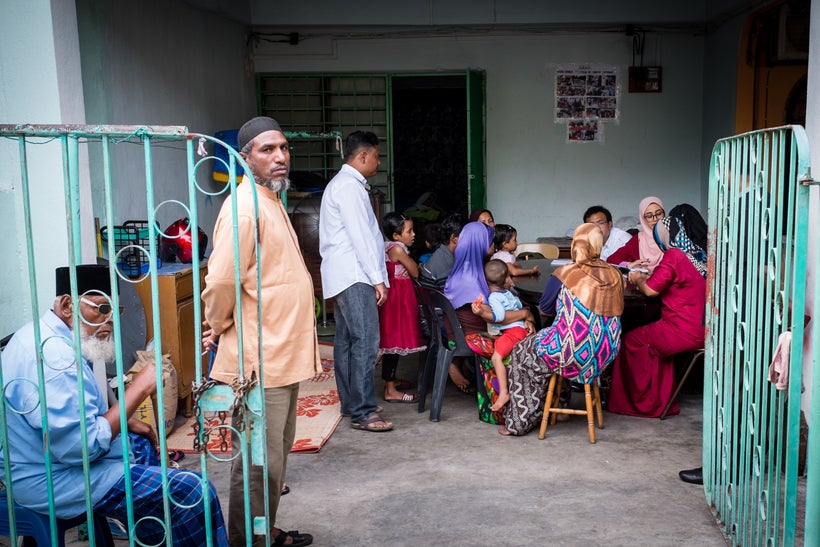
[720, 60]
[812, 383]
[161, 63]
[151, 62]
[535, 180]
[40, 84]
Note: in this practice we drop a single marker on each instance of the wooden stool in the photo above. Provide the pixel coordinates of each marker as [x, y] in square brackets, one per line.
[592, 397]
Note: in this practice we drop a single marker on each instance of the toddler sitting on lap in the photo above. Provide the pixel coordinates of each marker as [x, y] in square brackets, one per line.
[501, 300]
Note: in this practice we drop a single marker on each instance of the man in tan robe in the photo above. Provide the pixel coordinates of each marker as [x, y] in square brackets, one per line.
[282, 302]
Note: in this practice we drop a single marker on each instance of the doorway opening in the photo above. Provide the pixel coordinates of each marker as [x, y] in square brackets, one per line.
[430, 140]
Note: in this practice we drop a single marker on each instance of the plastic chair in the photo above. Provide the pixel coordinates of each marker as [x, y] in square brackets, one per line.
[447, 349]
[433, 342]
[697, 354]
[36, 528]
[548, 250]
[592, 398]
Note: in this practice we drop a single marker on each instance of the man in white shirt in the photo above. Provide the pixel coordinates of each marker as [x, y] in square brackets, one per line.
[355, 273]
[614, 238]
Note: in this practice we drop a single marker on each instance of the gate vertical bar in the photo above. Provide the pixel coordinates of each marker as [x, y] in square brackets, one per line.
[35, 307]
[71, 176]
[109, 210]
[152, 221]
[812, 519]
[195, 254]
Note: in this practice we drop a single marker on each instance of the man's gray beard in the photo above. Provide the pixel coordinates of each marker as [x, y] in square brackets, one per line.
[277, 186]
[98, 351]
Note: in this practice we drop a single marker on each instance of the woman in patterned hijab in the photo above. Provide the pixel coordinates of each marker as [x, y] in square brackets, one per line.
[670, 232]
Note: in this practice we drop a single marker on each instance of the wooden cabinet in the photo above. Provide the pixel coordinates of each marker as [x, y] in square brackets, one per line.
[176, 315]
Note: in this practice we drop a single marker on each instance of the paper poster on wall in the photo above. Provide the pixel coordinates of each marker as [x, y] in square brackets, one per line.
[585, 97]
[584, 130]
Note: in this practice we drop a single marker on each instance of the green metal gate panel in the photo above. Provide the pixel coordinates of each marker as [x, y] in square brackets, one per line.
[194, 155]
[758, 218]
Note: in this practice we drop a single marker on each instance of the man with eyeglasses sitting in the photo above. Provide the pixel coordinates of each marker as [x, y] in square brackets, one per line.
[614, 238]
[68, 412]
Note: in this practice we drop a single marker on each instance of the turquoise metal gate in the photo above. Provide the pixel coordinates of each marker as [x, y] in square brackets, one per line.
[758, 217]
[194, 155]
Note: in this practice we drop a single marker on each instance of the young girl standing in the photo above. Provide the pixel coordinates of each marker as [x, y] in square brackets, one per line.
[399, 327]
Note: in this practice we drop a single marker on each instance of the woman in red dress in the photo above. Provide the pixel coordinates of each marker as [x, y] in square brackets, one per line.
[644, 375]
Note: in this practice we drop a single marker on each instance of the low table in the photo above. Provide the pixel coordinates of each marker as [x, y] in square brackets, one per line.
[639, 309]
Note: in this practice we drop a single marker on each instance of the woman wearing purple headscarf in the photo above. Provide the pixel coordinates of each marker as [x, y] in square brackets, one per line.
[466, 283]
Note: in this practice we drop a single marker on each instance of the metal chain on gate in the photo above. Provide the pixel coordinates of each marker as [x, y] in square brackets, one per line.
[196, 393]
[223, 431]
[241, 387]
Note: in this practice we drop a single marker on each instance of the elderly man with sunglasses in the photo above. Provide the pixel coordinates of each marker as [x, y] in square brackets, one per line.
[69, 411]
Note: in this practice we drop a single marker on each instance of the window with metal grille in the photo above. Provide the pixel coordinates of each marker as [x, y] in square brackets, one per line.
[321, 103]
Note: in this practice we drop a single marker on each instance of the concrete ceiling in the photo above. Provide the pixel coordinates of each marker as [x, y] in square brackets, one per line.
[497, 14]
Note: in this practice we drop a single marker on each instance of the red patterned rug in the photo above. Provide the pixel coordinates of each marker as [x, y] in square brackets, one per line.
[317, 415]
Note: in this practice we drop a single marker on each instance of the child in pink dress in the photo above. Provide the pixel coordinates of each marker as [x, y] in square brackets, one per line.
[399, 328]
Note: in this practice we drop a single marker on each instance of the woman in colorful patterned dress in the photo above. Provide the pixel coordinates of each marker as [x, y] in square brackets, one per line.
[587, 297]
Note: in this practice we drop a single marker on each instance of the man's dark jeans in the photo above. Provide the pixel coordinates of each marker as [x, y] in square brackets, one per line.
[355, 348]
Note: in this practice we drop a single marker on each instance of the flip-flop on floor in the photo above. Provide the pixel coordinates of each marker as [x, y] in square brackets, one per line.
[406, 398]
[368, 424]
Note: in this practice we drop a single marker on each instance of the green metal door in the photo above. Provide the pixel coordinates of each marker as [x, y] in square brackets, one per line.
[758, 218]
[476, 139]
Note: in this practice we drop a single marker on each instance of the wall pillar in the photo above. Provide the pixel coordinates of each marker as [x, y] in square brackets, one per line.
[40, 79]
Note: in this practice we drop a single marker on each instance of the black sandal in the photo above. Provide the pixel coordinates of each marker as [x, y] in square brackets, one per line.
[368, 424]
[298, 539]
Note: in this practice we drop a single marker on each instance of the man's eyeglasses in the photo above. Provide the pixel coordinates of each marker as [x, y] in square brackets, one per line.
[656, 214]
[102, 309]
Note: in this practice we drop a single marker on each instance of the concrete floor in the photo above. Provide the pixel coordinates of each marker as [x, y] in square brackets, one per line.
[458, 482]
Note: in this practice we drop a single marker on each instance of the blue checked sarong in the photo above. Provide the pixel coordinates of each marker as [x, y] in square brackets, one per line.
[186, 501]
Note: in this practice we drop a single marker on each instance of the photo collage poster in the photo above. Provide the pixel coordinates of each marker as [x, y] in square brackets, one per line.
[586, 97]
